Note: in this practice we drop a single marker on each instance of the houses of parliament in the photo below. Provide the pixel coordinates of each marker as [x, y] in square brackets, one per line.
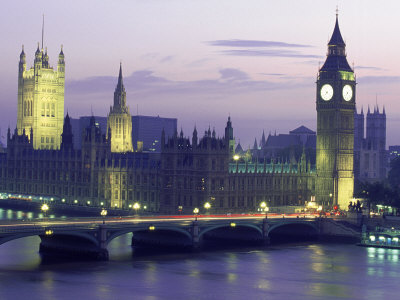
[109, 170]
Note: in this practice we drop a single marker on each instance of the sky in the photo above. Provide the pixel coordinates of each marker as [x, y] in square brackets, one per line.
[201, 61]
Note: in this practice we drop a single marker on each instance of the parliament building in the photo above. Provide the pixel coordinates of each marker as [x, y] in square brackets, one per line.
[109, 170]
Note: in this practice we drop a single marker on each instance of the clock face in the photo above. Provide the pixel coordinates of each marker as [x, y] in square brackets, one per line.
[347, 92]
[326, 92]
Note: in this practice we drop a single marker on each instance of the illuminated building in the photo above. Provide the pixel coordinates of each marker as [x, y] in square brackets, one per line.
[190, 172]
[336, 95]
[206, 171]
[119, 122]
[41, 100]
[145, 129]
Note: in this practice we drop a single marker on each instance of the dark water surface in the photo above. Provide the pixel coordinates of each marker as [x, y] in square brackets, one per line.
[302, 271]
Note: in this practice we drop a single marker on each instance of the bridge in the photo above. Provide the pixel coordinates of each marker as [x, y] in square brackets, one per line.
[85, 237]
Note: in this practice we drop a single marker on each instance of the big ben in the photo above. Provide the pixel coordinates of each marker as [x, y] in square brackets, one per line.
[335, 101]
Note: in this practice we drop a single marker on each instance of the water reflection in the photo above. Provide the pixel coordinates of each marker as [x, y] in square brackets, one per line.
[316, 271]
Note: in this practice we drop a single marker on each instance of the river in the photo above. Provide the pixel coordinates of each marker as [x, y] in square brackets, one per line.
[290, 271]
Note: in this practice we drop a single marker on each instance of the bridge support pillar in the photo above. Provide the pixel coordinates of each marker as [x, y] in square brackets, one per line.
[103, 252]
[265, 229]
[195, 235]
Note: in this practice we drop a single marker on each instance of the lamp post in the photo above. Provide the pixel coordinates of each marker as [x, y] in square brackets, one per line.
[196, 212]
[330, 200]
[207, 206]
[104, 214]
[45, 208]
[136, 207]
[264, 208]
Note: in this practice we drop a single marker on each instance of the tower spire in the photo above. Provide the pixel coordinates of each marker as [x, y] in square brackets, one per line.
[42, 30]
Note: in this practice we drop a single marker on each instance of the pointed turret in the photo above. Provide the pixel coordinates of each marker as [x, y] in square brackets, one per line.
[194, 137]
[61, 57]
[255, 146]
[120, 94]
[22, 61]
[336, 38]
[262, 143]
[67, 136]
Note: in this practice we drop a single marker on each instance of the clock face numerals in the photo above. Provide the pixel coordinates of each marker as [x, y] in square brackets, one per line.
[347, 92]
[326, 92]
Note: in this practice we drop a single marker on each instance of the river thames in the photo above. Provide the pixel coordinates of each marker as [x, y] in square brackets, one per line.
[289, 271]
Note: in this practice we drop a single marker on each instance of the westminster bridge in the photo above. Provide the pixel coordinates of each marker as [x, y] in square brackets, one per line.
[89, 237]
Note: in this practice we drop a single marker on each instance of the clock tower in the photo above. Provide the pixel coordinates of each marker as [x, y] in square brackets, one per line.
[335, 101]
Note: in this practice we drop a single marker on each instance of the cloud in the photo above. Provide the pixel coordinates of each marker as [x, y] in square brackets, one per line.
[254, 43]
[145, 83]
[271, 53]
[378, 79]
[233, 74]
[369, 68]
[272, 74]
[166, 59]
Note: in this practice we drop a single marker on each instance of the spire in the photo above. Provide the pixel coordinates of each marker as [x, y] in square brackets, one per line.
[384, 112]
[42, 31]
[336, 39]
[368, 110]
[255, 147]
[263, 139]
[37, 50]
[22, 55]
[119, 93]
[362, 110]
[120, 85]
[336, 57]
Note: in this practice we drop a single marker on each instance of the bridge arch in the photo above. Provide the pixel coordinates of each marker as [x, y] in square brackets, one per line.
[301, 223]
[208, 229]
[142, 229]
[284, 232]
[9, 238]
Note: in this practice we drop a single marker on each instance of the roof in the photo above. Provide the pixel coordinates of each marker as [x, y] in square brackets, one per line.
[336, 60]
[336, 39]
[302, 130]
[282, 141]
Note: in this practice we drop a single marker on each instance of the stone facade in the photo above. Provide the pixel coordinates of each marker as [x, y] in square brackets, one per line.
[41, 100]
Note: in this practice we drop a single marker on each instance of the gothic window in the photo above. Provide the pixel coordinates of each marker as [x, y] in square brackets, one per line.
[43, 110]
[48, 110]
[53, 110]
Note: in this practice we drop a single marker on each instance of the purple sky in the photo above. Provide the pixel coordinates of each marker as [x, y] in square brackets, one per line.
[200, 61]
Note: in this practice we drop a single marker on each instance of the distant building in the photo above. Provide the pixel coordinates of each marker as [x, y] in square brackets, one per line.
[145, 129]
[394, 152]
[370, 155]
[148, 129]
[271, 147]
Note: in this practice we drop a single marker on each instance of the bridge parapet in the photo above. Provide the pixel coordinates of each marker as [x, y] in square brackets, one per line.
[92, 238]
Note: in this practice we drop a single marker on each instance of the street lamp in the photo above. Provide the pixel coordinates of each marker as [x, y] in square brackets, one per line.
[136, 207]
[103, 214]
[236, 157]
[196, 212]
[330, 200]
[207, 206]
[264, 208]
[44, 208]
